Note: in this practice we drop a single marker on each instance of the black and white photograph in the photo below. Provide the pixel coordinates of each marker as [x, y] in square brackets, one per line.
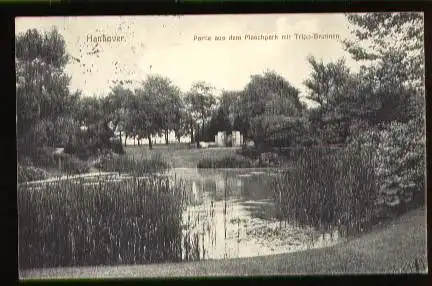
[221, 145]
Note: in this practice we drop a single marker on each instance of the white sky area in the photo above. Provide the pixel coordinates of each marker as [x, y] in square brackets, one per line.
[166, 43]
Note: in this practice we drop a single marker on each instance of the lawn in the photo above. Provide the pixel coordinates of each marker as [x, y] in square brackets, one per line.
[390, 248]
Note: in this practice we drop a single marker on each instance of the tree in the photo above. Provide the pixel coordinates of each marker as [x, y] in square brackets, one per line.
[95, 118]
[130, 116]
[263, 97]
[182, 123]
[224, 115]
[200, 102]
[149, 108]
[341, 101]
[172, 107]
[161, 98]
[392, 46]
[115, 108]
[326, 81]
[44, 102]
[89, 111]
[380, 34]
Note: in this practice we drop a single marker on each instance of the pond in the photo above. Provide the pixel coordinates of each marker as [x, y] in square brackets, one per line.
[231, 213]
[112, 219]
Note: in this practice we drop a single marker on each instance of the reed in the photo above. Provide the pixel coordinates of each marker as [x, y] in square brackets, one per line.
[328, 190]
[107, 222]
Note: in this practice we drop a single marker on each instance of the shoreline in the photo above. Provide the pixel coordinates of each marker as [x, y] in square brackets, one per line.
[390, 248]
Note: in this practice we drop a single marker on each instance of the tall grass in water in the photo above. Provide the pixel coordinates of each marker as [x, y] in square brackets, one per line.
[134, 165]
[71, 223]
[328, 190]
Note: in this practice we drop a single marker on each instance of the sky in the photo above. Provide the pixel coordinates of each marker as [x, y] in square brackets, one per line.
[168, 45]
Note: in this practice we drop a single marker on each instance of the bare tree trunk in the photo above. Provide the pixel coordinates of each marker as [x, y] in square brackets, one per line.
[125, 140]
[150, 142]
[134, 141]
[120, 137]
[192, 134]
[166, 137]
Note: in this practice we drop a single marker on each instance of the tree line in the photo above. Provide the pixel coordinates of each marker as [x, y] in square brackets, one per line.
[48, 114]
[388, 88]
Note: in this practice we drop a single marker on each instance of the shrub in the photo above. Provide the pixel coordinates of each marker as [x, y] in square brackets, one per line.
[82, 146]
[236, 161]
[249, 152]
[117, 147]
[328, 190]
[281, 130]
[30, 173]
[399, 162]
[44, 158]
[270, 159]
[83, 151]
[87, 144]
[72, 165]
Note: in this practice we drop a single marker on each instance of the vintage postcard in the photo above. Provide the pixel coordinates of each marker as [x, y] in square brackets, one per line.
[221, 145]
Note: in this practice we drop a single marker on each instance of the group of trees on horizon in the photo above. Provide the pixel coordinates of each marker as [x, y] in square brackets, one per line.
[388, 88]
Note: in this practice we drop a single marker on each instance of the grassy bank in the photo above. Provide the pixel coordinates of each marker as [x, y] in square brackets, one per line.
[136, 160]
[45, 163]
[391, 248]
[136, 165]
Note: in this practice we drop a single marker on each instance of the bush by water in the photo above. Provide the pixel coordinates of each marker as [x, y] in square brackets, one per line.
[30, 173]
[45, 158]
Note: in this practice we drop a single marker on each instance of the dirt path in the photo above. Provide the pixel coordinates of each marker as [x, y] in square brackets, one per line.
[393, 248]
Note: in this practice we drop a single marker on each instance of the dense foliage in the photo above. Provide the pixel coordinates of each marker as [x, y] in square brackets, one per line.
[377, 118]
[399, 162]
[44, 103]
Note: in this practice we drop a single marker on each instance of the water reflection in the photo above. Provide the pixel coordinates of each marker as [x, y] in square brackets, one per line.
[231, 213]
